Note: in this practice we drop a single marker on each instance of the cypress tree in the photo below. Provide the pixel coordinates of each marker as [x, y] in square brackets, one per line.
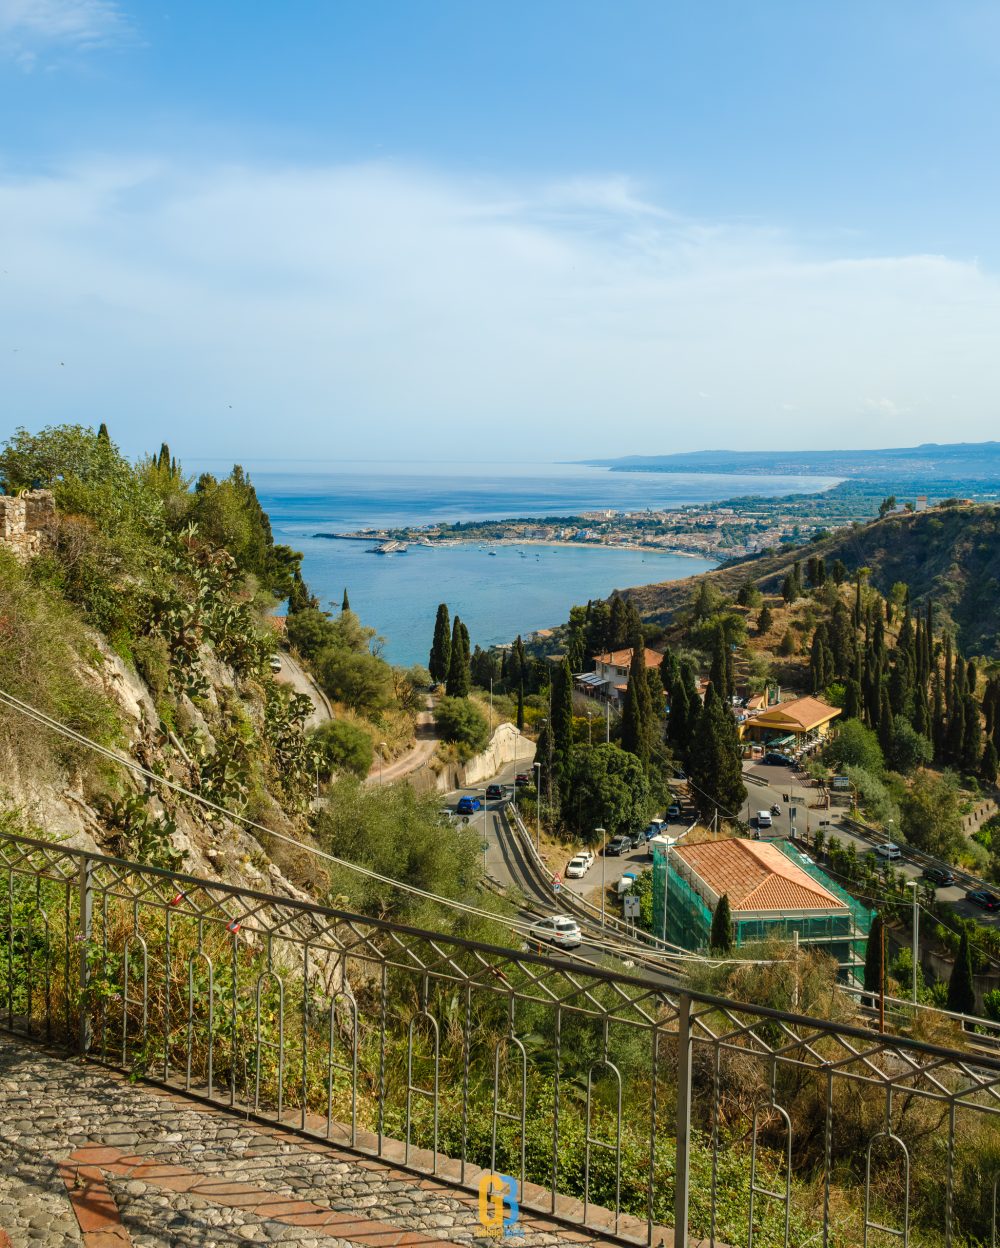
[345, 604]
[989, 764]
[715, 762]
[618, 624]
[955, 739]
[948, 690]
[520, 707]
[765, 619]
[459, 676]
[852, 701]
[669, 670]
[972, 738]
[163, 459]
[562, 713]
[721, 938]
[961, 985]
[440, 659]
[679, 719]
[637, 711]
[103, 435]
[874, 961]
[885, 722]
[719, 672]
[857, 604]
[938, 726]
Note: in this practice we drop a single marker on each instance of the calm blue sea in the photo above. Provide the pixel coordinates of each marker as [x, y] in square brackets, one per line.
[497, 595]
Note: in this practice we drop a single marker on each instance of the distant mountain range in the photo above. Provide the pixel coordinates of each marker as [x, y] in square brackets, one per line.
[971, 460]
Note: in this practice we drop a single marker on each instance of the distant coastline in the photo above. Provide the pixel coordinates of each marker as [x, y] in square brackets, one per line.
[444, 543]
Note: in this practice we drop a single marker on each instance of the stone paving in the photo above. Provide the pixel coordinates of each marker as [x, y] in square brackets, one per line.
[88, 1159]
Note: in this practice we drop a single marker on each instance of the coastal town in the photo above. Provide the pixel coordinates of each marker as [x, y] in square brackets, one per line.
[730, 529]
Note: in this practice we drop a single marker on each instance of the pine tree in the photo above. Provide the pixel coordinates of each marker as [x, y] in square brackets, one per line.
[961, 985]
[721, 938]
[874, 960]
[440, 659]
[345, 604]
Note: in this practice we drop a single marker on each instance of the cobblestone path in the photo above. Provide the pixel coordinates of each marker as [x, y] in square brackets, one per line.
[88, 1159]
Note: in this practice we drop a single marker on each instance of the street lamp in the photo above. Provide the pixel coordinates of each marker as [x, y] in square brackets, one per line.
[604, 862]
[590, 724]
[382, 747]
[915, 885]
[538, 802]
[491, 706]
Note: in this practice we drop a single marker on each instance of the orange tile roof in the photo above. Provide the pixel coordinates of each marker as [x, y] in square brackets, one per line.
[622, 658]
[756, 876]
[801, 713]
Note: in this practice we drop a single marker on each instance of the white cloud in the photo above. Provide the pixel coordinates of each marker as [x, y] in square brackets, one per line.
[30, 29]
[376, 310]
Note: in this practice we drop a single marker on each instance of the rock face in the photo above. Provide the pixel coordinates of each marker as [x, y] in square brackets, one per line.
[26, 521]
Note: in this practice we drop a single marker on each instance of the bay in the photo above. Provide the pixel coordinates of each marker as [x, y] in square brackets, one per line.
[516, 589]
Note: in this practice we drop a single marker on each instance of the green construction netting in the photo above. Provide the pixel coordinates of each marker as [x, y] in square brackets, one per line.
[688, 921]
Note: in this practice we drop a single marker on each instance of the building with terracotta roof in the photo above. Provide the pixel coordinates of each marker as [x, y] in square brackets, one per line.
[609, 679]
[796, 722]
[773, 891]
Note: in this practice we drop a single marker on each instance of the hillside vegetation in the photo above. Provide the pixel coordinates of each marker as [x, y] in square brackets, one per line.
[950, 554]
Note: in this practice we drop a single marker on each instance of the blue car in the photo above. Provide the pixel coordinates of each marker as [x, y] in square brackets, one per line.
[468, 805]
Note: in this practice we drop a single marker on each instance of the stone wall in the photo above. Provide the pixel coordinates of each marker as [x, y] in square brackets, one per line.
[507, 745]
[26, 521]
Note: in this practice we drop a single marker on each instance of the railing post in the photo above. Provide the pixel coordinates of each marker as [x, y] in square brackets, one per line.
[682, 1175]
[85, 899]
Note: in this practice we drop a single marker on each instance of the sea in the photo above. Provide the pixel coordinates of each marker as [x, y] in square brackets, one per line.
[499, 591]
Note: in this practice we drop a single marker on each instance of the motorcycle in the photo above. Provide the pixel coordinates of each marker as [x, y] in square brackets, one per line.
[775, 809]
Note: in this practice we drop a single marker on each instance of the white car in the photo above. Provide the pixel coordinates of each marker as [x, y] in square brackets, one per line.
[576, 868]
[763, 818]
[588, 856]
[888, 850]
[559, 930]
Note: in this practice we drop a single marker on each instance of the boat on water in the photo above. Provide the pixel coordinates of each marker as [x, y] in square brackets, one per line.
[492, 554]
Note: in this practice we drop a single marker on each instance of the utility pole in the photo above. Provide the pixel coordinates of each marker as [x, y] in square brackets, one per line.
[881, 980]
[604, 860]
[916, 933]
[538, 802]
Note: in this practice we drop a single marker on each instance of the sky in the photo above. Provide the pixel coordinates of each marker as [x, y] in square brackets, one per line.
[384, 229]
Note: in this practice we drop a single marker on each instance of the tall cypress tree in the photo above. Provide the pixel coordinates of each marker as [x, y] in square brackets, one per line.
[719, 672]
[459, 676]
[961, 985]
[972, 738]
[345, 604]
[102, 433]
[520, 707]
[721, 937]
[714, 762]
[874, 960]
[989, 764]
[562, 713]
[637, 711]
[440, 659]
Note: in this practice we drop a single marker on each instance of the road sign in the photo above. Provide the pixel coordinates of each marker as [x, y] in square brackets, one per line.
[556, 884]
[632, 905]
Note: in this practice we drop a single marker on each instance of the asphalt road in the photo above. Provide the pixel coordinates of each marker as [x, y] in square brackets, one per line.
[779, 781]
[293, 674]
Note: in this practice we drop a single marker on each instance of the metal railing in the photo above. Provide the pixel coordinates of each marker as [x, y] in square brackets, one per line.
[731, 1123]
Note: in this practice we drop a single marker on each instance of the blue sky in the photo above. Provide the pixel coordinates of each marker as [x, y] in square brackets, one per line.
[351, 229]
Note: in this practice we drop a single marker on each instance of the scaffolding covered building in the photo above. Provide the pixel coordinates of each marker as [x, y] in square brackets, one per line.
[773, 891]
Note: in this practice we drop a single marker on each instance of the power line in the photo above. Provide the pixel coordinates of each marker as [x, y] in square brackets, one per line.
[521, 927]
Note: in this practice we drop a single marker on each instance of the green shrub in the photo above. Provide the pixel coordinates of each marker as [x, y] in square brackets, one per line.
[462, 722]
[340, 745]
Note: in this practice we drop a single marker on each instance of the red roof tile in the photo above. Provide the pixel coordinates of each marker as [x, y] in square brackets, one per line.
[756, 876]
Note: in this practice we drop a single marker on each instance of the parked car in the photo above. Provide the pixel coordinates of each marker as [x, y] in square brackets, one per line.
[576, 868]
[468, 805]
[628, 878]
[889, 851]
[559, 930]
[673, 811]
[983, 898]
[618, 845]
[941, 877]
[763, 819]
[652, 829]
[774, 759]
[588, 856]
[494, 792]
[274, 664]
[522, 779]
